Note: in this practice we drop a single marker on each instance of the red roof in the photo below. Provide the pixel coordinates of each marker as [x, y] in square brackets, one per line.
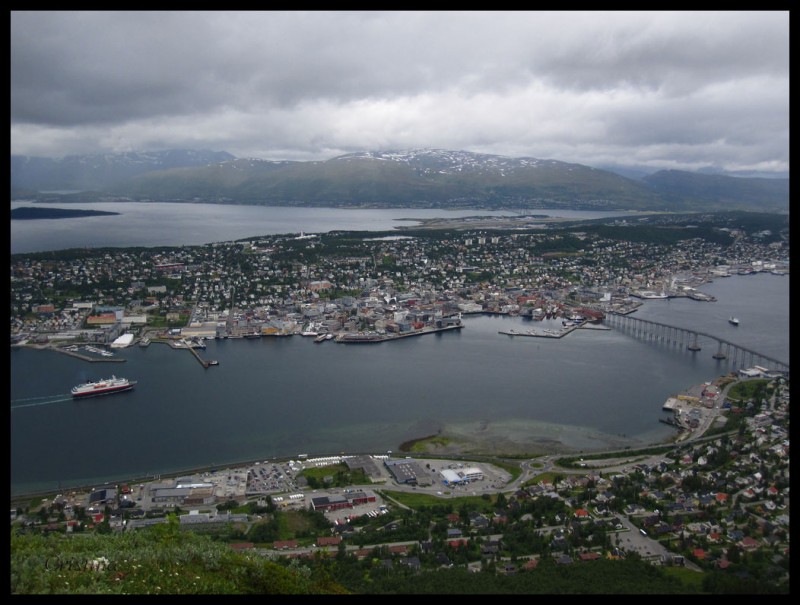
[699, 553]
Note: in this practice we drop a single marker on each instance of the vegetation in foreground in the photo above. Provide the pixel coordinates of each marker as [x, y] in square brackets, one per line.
[158, 560]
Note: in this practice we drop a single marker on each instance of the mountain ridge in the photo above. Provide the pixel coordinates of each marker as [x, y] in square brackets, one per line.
[422, 177]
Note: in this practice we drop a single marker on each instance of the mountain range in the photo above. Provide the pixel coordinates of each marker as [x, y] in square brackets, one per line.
[428, 178]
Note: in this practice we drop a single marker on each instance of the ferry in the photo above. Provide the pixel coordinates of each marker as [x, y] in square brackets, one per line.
[102, 387]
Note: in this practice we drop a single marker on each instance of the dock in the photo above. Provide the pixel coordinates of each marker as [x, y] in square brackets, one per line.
[80, 356]
[545, 333]
[202, 361]
[354, 338]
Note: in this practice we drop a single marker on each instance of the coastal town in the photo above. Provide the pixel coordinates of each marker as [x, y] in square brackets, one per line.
[715, 498]
[363, 289]
[717, 501]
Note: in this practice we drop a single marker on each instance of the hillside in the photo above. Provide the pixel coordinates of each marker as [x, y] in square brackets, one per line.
[422, 178]
[768, 195]
[159, 560]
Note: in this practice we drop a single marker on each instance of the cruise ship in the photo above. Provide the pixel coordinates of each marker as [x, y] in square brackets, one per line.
[102, 387]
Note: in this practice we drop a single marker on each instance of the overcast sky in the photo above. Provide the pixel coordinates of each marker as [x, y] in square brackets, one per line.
[682, 90]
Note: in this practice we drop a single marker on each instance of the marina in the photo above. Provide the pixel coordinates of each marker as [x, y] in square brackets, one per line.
[568, 328]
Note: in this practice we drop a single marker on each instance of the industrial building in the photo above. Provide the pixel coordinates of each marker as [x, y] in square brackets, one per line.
[337, 502]
[460, 476]
[407, 472]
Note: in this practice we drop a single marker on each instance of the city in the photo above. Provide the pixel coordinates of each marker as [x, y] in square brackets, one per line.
[718, 496]
[343, 284]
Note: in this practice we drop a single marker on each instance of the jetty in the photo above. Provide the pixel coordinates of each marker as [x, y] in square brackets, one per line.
[202, 361]
[77, 355]
[545, 333]
[360, 337]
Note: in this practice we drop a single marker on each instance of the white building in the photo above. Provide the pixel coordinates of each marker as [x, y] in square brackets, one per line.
[123, 341]
[465, 475]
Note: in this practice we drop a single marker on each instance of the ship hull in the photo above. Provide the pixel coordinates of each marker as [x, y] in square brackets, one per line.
[103, 387]
[97, 393]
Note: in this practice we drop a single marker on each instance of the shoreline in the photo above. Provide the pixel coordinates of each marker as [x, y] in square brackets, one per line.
[459, 444]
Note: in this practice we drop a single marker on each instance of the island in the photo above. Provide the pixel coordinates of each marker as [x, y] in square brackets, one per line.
[30, 213]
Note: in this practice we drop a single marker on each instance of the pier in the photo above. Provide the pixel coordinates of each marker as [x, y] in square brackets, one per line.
[202, 361]
[357, 337]
[740, 357]
[77, 355]
[181, 344]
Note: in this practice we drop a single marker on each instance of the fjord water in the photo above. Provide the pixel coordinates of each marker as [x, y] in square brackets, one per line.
[189, 224]
[273, 397]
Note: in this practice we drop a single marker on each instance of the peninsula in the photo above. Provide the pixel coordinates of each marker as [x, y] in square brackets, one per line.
[30, 213]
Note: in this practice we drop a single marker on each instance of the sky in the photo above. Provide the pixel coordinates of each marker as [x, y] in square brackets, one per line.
[661, 90]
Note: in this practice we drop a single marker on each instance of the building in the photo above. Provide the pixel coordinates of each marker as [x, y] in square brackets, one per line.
[460, 476]
[328, 503]
[123, 341]
[406, 472]
[339, 501]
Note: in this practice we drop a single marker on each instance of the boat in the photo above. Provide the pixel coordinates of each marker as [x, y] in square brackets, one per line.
[213, 362]
[734, 321]
[320, 338]
[102, 387]
[329, 336]
[651, 295]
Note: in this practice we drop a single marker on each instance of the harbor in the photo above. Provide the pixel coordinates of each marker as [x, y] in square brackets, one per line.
[359, 337]
[567, 328]
[72, 351]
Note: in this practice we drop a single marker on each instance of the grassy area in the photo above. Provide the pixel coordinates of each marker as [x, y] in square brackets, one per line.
[548, 476]
[746, 389]
[573, 461]
[513, 469]
[293, 523]
[416, 501]
[420, 446]
[340, 476]
[689, 578]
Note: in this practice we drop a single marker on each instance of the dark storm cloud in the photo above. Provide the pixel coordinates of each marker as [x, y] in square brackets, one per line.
[675, 88]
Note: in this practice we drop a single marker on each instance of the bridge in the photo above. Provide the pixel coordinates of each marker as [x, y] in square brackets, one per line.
[739, 356]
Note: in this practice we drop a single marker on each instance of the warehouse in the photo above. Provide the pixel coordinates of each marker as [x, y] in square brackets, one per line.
[461, 476]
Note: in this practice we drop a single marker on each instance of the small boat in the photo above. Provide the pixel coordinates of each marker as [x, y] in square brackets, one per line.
[213, 362]
[734, 321]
